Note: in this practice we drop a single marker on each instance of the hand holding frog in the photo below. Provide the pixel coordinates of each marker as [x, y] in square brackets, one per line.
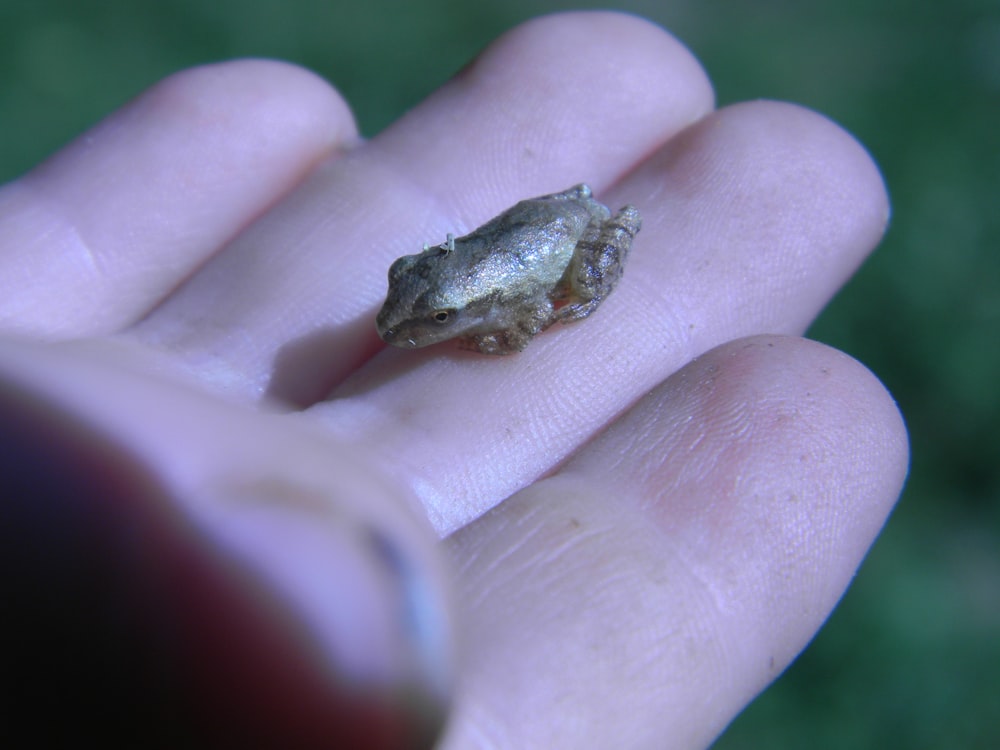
[223, 495]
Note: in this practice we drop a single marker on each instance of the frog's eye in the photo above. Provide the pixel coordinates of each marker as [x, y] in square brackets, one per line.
[441, 316]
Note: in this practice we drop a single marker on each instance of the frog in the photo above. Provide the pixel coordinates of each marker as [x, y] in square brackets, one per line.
[554, 258]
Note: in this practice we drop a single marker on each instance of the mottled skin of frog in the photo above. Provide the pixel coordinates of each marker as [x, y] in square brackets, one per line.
[549, 259]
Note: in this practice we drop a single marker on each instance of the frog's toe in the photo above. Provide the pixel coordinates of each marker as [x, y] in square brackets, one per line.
[578, 310]
[629, 220]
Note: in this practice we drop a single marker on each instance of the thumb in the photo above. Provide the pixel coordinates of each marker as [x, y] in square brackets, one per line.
[201, 573]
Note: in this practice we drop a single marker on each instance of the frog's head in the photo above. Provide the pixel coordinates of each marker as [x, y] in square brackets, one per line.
[424, 305]
[416, 329]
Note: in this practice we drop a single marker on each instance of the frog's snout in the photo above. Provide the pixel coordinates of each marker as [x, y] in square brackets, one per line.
[386, 332]
[393, 334]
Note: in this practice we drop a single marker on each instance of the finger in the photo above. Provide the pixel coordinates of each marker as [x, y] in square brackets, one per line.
[288, 309]
[244, 582]
[758, 215]
[560, 99]
[678, 563]
[753, 218]
[93, 238]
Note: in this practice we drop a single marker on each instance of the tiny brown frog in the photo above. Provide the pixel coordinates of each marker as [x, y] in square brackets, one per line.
[547, 259]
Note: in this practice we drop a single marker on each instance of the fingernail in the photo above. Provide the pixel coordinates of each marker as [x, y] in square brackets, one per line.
[362, 597]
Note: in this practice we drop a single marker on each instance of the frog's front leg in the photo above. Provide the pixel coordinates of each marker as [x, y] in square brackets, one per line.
[517, 331]
[598, 263]
[497, 342]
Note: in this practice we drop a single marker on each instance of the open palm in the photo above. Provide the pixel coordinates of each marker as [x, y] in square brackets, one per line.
[221, 489]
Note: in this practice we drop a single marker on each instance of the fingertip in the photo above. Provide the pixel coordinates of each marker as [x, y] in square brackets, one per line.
[811, 400]
[246, 112]
[754, 217]
[850, 172]
[560, 99]
[768, 466]
[754, 410]
[103, 230]
[811, 162]
[289, 103]
[626, 55]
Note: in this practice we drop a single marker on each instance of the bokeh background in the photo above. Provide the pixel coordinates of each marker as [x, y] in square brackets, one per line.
[911, 658]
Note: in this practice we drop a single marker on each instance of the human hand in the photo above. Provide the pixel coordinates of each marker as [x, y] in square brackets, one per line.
[217, 482]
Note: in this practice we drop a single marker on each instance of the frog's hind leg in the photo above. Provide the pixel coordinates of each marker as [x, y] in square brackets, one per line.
[599, 262]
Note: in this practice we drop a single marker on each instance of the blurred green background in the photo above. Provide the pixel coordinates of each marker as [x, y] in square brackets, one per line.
[911, 658]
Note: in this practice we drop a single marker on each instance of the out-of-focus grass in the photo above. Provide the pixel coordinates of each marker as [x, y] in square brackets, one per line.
[910, 658]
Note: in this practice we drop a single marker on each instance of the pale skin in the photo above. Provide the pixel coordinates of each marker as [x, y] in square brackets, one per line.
[676, 501]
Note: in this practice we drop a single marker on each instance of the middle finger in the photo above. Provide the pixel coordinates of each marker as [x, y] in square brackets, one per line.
[752, 219]
[287, 309]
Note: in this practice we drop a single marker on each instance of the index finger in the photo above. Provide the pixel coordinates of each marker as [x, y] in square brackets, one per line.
[93, 238]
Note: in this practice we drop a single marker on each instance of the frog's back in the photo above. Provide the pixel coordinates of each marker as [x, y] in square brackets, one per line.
[536, 237]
